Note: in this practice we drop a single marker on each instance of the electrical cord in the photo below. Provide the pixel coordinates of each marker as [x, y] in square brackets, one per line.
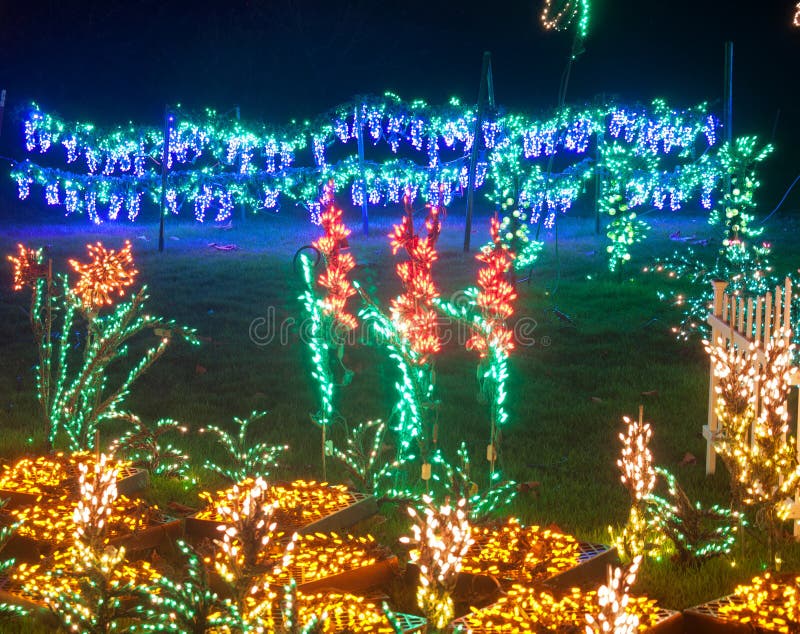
[785, 196]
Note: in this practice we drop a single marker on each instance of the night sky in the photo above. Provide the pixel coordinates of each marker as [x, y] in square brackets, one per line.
[281, 59]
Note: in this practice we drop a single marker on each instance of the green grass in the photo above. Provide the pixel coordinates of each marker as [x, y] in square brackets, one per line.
[568, 390]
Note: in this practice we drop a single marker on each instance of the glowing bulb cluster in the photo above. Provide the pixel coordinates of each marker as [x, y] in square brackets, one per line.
[338, 265]
[108, 273]
[412, 311]
[524, 609]
[441, 538]
[28, 266]
[612, 600]
[495, 296]
[512, 552]
[754, 443]
[770, 602]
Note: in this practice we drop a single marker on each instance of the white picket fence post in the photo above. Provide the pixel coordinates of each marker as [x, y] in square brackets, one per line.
[739, 324]
[710, 429]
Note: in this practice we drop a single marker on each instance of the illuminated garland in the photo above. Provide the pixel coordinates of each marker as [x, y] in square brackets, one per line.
[143, 446]
[625, 229]
[440, 540]
[742, 260]
[73, 390]
[188, 604]
[216, 164]
[244, 460]
[568, 11]
[796, 20]
[514, 236]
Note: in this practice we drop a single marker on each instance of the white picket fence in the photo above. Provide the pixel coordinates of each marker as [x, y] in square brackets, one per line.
[739, 323]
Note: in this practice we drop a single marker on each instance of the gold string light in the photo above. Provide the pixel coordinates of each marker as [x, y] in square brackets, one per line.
[524, 609]
[766, 602]
[299, 503]
[520, 554]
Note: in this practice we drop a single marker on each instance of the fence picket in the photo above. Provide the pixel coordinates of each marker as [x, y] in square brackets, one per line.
[739, 324]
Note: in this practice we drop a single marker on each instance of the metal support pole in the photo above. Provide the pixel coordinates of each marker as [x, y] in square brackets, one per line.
[359, 123]
[164, 174]
[727, 113]
[242, 208]
[598, 180]
[485, 90]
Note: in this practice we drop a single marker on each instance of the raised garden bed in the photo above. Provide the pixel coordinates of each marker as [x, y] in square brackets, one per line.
[305, 507]
[349, 613]
[54, 569]
[48, 526]
[514, 554]
[318, 562]
[527, 610]
[771, 603]
[28, 480]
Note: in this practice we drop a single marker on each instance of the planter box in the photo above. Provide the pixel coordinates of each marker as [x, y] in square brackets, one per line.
[28, 549]
[707, 618]
[591, 570]
[359, 506]
[130, 480]
[356, 581]
[667, 622]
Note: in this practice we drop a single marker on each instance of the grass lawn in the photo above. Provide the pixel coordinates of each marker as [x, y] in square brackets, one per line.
[569, 388]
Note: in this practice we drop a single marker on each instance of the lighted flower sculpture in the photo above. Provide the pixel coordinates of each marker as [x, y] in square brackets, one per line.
[408, 334]
[74, 387]
[329, 318]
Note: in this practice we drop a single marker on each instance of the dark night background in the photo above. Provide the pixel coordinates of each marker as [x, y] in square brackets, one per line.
[113, 61]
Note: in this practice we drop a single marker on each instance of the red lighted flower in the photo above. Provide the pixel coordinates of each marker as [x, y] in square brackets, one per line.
[107, 273]
[412, 311]
[495, 296]
[28, 267]
[338, 265]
